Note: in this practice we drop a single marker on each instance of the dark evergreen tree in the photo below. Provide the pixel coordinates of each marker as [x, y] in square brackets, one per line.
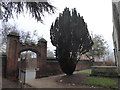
[70, 35]
[37, 9]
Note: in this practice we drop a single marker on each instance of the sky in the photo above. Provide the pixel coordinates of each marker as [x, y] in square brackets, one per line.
[96, 13]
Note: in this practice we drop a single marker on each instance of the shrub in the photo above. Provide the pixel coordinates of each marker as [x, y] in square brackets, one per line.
[104, 71]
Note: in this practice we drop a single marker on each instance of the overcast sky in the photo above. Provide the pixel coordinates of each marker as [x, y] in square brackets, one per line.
[96, 13]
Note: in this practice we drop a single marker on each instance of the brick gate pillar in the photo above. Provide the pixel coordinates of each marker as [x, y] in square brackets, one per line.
[12, 56]
[41, 58]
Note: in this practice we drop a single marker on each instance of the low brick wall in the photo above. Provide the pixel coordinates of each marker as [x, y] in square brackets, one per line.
[4, 65]
[98, 63]
[53, 67]
[83, 64]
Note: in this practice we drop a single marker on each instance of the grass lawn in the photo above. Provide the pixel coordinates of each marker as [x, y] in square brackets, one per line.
[101, 81]
[119, 74]
[105, 82]
[88, 71]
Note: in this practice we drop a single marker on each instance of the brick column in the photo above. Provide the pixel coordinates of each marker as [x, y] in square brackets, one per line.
[12, 56]
[41, 58]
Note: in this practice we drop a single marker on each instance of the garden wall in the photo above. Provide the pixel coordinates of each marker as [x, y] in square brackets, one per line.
[4, 64]
[98, 63]
[84, 64]
[52, 66]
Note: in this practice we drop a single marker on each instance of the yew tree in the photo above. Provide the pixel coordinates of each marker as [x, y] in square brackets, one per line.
[36, 9]
[70, 36]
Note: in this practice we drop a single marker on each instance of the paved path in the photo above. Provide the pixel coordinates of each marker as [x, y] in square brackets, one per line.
[12, 84]
[9, 84]
[58, 81]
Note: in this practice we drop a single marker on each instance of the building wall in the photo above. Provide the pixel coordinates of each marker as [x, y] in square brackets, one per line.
[118, 64]
[116, 32]
[115, 41]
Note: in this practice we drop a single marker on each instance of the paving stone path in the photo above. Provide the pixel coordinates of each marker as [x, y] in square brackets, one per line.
[60, 81]
[12, 84]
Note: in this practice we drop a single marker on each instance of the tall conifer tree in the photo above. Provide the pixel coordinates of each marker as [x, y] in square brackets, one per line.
[70, 35]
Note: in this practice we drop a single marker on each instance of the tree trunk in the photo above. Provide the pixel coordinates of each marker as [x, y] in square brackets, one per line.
[67, 67]
[67, 64]
[66, 60]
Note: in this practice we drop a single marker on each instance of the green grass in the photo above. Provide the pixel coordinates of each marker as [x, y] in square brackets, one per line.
[88, 71]
[101, 81]
[119, 74]
[102, 66]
